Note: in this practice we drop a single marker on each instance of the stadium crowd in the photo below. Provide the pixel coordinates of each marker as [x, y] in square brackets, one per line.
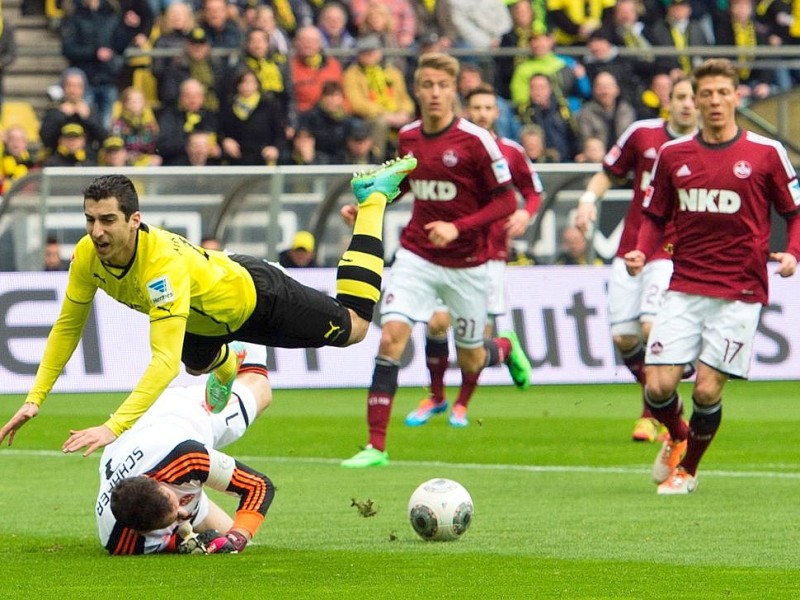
[249, 82]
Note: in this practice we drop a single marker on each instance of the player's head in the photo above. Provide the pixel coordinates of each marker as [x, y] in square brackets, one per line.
[481, 106]
[716, 67]
[438, 61]
[114, 186]
[682, 107]
[435, 88]
[111, 207]
[715, 88]
[143, 504]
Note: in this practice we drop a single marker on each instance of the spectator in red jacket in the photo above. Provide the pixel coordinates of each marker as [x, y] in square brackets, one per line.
[311, 68]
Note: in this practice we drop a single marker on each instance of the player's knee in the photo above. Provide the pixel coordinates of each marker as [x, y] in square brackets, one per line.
[394, 337]
[358, 328]
[706, 394]
[259, 385]
[438, 324]
[626, 343]
[263, 396]
[661, 382]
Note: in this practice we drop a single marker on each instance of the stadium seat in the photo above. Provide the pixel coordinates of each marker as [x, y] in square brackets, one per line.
[21, 113]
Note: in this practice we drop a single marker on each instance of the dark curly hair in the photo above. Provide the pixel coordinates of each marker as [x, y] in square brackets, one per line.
[139, 503]
[114, 186]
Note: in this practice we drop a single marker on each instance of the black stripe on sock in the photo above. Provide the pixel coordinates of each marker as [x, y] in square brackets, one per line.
[366, 244]
[361, 306]
[357, 273]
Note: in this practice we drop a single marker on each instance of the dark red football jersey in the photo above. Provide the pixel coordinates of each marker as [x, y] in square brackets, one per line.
[719, 197]
[459, 171]
[635, 152]
[527, 183]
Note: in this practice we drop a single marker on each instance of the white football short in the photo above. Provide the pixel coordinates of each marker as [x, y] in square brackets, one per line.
[718, 332]
[632, 300]
[496, 270]
[415, 286]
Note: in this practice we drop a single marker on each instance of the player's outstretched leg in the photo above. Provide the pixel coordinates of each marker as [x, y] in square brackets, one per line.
[386, 179]
[220, 380]
[358, 278]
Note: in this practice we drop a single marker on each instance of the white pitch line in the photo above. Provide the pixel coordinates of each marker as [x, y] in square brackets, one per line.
[622, 470]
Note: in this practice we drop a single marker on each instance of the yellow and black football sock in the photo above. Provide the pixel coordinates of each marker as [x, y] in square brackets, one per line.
[225, 365]
[358, 279]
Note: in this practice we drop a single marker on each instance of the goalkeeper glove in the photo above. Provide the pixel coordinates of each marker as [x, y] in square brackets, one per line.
[217, 543]
[187, 541]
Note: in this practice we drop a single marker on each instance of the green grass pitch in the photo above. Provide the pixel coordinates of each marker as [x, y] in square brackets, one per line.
[564, 506]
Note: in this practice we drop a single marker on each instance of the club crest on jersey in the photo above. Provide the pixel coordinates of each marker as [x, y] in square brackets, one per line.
[450, 158]
[160, 291]
[742, 169]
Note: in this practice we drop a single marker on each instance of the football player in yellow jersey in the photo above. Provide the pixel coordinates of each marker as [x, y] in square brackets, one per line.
[200, 300]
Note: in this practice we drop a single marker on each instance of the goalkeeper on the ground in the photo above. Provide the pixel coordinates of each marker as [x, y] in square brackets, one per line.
[153, 477]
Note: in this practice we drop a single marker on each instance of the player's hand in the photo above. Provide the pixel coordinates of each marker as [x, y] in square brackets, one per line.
[787, 268]
[187, 541]
[349, 212]
[586, 215]
[91, 439]
[26, 412]
[441, 233]
[215, 543]
[634, 262]
[517, 223]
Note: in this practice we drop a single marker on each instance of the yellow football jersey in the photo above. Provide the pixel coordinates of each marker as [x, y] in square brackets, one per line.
[180, 286]
[169, 277]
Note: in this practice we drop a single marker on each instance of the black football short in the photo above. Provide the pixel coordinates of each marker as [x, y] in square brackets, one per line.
[288, 314]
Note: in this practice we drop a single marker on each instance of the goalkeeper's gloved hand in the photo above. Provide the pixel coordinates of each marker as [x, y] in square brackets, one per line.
[187, 541]
[217, 543]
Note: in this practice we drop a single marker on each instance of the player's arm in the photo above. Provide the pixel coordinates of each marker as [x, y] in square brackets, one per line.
[786, 199]
[441, 233]
[788, 259]
[503, 203]
[598, 185]
[651, 234]
[528, 184]
[166, 342]
[255, 491]
[61, 343]
[192, 461]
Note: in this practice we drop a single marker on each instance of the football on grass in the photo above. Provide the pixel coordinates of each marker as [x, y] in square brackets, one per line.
[440, 510]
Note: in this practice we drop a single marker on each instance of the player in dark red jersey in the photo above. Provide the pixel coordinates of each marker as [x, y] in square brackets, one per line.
[718, 187]
[481, 108]
[461, 185]
[634, 301]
